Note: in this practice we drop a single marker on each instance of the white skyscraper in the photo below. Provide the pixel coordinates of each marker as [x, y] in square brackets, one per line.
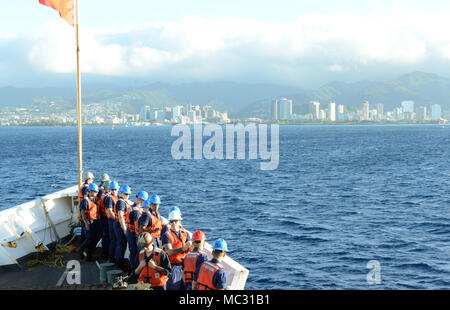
[365, 115]
[332, 111]
[436, 112]
[314, 108]
[285, 109]
[408, 109]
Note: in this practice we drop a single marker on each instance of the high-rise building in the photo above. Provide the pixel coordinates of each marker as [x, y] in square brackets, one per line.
[408, 109]
[177, 111]
[365, 115]
[436, 112]
[398, 114]
[380, 110]
[314, 108]
[422, 113]
[285, 109]
[145, 113]
[332, 111]
[274, 110]
[322, 115]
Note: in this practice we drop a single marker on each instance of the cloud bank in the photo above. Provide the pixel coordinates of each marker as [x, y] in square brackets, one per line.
[315, 48]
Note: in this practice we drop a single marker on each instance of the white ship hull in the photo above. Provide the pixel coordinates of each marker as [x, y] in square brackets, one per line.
[36, 224]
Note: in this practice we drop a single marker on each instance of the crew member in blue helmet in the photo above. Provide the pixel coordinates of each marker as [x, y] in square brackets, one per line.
[90, 215]
[122, 210]
[83, 192]
[110, 204]
[134, 214]
[211, 275]
[150, 220]
[102, 195]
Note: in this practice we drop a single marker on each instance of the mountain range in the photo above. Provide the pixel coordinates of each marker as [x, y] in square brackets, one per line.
[243, 100]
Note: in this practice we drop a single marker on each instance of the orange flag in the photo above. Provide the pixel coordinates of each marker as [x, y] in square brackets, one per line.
[64, 7]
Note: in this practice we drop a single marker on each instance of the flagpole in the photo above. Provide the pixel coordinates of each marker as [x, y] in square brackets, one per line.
[80, 138]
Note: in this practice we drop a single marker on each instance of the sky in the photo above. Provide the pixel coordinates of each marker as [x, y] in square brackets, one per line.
[299, 43]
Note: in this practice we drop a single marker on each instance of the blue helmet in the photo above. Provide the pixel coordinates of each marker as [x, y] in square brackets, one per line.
[93, 187]
[174, 208]
[113, 185]
[155, 199]
[146, 204]
[143, 195]
[220, 245]
[125, 189]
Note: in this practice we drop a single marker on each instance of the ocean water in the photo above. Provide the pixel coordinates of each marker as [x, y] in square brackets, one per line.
[341, 197]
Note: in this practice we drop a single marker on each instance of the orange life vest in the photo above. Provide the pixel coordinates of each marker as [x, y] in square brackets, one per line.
[92, 211]
[206, 275]
[156, 224]
[101, 204]
[115, 199]
[190, 265]
[126, 213]
[80, 192]
[132, 225]
[150, 275]
[177, 243]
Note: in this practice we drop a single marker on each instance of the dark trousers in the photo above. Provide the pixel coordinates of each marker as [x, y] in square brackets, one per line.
[134, 250]
[175, 279]
[105, 235]
[121, 243]
[93, 236]
[112, 238]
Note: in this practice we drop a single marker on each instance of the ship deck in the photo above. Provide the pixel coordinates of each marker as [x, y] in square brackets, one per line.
[52, 274]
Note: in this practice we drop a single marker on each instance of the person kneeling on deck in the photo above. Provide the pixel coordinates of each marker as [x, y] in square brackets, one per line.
[154, 265]
[132, 239]
[122, 210]
[90, 216]
[176, 243]
[110, 204]
[194, 259]
[211, 275]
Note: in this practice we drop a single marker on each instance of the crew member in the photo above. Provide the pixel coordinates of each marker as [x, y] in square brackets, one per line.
[103, 179]
[194, 259]
[176, 243]
[133, 216]
[83, 192]
[165, 228]
[211, 275]
[122, 210]
[154, 265]
[90, 216]
[150, 220]
[102, 195]
[110, 204]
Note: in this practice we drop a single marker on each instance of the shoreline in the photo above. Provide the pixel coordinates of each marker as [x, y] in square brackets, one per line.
[233, 123]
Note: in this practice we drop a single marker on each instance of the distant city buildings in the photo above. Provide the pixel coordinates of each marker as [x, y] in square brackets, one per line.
[281, 109]
[332, 111]
[436, 112]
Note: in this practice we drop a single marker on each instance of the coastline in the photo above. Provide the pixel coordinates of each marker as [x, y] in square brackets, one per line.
[233, 123]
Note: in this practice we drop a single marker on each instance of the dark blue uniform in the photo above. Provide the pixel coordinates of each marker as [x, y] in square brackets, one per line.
[219, 279]
[93, 235]
[109, 204]
[121, 238]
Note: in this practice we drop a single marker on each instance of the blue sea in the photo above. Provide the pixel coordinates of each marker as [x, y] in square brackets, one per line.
[342, 196]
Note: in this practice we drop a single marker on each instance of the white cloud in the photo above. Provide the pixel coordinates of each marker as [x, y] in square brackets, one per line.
[200, 48]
